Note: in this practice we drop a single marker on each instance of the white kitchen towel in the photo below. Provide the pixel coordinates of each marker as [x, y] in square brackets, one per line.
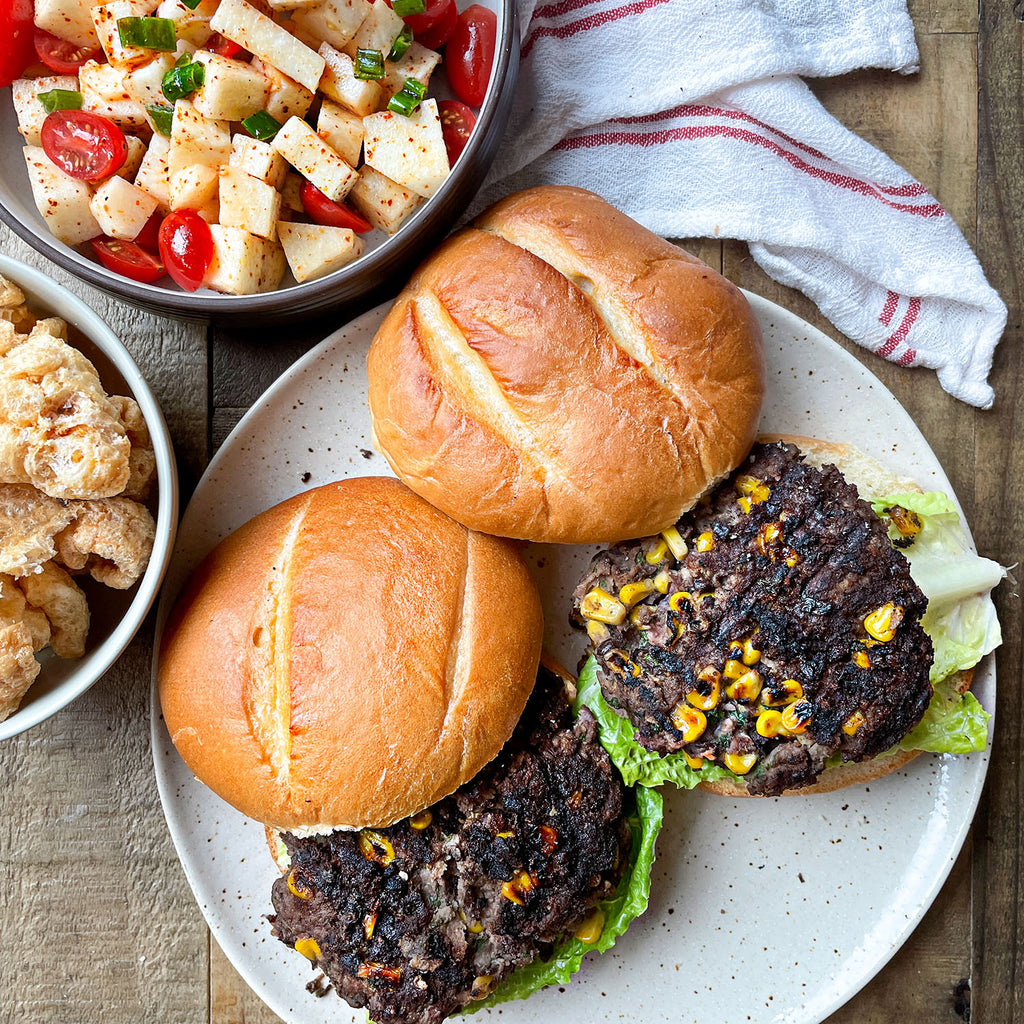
[687, 115]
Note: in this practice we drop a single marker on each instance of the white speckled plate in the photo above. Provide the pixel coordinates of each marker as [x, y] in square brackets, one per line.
[760, 911]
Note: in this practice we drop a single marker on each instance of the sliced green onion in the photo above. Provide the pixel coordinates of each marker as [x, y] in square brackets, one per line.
[408, 98]
[191, 4]
[182, 81]
[162, 117]
[369, 66]
[60, 99]
[185, 58]
[261, 126]
[403, 8]
[148, 33]
[401, 44]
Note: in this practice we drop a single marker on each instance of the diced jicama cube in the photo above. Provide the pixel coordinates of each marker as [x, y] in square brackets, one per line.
[383, 202]
[291, 5]
[291, 192]
[105, 18]
[313, 250]
[121, 209]
[196, 139]
[143, 83]
[105, 92]
[334, 21]
[378, 30]
[314, 159]
[243, 263]
[418, 62]
[248, 203]
[340, 84]
[409, 150]
[133, 161]
[258, 159]
[341, 130]
[31, 113]
[192, 187]
[152, 174]
[67, 19]
[232, 89]
[192, 25]
[286, 97]
[63, 201]
[243, 24]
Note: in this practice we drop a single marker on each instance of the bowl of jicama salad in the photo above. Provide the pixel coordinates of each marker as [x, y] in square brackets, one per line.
[246, 160]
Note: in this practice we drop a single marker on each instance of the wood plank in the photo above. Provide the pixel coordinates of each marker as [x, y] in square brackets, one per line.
[96, 907]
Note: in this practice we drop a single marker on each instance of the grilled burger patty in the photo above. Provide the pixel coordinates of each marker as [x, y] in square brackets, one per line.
[788, 631]
[417, 920]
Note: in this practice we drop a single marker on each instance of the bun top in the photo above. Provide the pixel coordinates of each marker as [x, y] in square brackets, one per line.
[348, 657]
[558, 373]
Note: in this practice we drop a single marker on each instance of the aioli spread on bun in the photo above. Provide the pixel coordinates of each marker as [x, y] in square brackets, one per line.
[786, 635]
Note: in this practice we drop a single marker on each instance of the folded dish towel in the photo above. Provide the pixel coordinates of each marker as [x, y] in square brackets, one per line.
[689, 116]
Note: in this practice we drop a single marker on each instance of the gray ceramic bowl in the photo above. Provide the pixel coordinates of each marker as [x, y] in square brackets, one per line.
[378, 273]
[116, 615]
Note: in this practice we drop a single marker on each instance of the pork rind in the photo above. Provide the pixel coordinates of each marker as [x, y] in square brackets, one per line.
[29, 524]
[61, 600]
[110, 539]
[18, 666]
[142, 460]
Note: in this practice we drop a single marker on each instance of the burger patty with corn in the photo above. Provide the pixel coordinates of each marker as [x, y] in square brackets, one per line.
[772, 631]
[417, 920]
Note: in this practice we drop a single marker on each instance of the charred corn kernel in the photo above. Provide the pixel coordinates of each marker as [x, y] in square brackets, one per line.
[907, 522]
[476, 927]
[369, 923]
[883, 622]
[505, 835]
[853, 723]
[791, 557]
[636, 619]
[681, 628]
[696, 763]
[633, 592]
[740, 764]
[690, 721]
[295, 888]
[752, 487]
[421, 821]
[597, 631]
[600, 605]
[776, 694]
[706, 541]
[745, 503]
[380, 971]
[518, 886]
[483, 986]
[769, 724]
[309, 948]
[662, 581]
[376, 847]
[734, 668]
[591, 927]
[862, 660]
[747, 687]
[658, 552]
[675, 542]
[679, 601]
[548, 839]
[796, 716]
[707, 690]
[751, 655]
[768, 535]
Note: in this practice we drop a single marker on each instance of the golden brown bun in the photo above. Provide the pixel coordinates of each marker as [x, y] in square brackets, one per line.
[871, 479]
[348, 657]
[558, 373]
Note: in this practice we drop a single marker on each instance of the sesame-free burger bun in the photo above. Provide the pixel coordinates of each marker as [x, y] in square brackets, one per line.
[348, 657]
[558, 373]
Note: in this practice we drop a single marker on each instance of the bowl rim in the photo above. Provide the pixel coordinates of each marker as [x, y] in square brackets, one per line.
[215, 304]
[58, 301]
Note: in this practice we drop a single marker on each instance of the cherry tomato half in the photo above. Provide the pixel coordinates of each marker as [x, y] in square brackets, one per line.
[457, 122]
[83, 145]
[470, 54]
[61, 56]
[186, 247]
[148, 236]
[127, 259]
[329, 213]
[436, 10]
[16, 31]
[224, 47]
[436, 35]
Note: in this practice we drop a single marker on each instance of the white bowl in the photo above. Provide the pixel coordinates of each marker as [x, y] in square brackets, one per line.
[116, 614]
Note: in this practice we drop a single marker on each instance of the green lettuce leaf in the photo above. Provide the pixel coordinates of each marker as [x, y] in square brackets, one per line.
[629, 902]
[954, 723]
[637, 764]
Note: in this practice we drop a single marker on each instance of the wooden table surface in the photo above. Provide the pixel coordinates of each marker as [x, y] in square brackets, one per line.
[96, 920]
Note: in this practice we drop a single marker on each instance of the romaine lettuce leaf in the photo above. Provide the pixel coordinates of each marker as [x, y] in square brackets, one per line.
[954, 723]
[629, 902]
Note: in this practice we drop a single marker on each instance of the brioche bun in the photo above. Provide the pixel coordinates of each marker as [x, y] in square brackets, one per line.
[871, 479]
[558, 373]
[348, 657]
